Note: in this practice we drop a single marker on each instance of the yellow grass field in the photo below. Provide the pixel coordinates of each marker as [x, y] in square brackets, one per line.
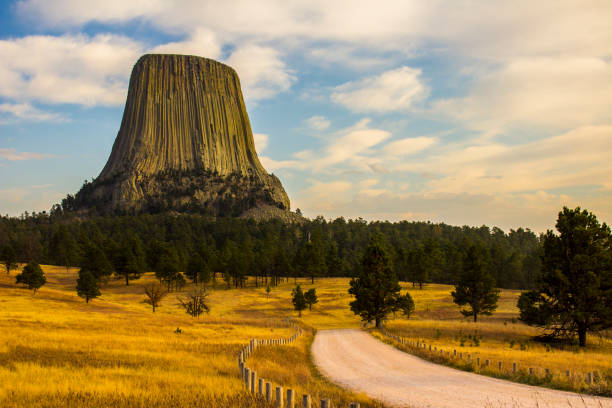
[502, 338]
[58, 351]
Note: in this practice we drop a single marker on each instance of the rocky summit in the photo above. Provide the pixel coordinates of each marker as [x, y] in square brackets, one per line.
[185, 144]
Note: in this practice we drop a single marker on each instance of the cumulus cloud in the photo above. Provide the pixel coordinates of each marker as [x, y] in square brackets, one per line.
[201, 42]
[349, 145]
[273, 165]
[74, 69]
[14, 155]
[262, 72]
[25, 111]
[569, 160]
[552, 93]
[498, 30]
[75, 12]
[408, 146]
[395, 90]
[261, 142]
[318, 123]
[15, 201]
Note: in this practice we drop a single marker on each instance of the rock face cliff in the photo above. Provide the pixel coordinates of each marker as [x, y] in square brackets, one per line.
[185, 144]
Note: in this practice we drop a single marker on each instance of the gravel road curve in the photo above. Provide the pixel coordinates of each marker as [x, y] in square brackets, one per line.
[356, 360]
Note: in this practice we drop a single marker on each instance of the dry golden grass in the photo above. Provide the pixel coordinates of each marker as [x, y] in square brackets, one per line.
[502, 337]
[58, 351]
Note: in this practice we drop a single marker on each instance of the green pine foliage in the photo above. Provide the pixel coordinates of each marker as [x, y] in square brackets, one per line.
[310, 296]
[376, 288]
[298, 300]
[87, 285]
[574, 295]
[476, 286]
[32, 276]
[271, 251]
[8, 258]
[94, 260]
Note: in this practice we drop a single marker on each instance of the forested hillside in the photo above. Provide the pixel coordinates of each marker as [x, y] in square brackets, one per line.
[228, 249]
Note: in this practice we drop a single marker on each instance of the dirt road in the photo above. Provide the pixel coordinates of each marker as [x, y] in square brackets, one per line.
[356, 360]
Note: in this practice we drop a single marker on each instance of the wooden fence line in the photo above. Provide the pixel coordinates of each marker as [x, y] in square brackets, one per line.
[256, 385]
[589, 378]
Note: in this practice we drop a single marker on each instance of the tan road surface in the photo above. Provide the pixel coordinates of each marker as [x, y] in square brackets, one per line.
[356, 360]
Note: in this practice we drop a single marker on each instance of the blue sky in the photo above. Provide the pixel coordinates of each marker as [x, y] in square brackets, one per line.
[462, 112]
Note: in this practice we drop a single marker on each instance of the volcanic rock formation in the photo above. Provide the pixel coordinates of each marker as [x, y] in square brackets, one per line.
[185, 144]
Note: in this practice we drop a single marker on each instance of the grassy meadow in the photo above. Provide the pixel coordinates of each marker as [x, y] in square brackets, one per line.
[56, 350]
[503, 338]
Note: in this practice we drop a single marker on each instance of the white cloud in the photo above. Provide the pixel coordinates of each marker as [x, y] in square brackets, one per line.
[551, 93]
[272, 165]
[408, 146]
[201, 42]
[25, 111]
[323, 197]
[349, 146]
[350, 56]
[318, 123]
[488, 30]
[14, 201]
[76, 12]
[92, 71]
[68, 69]
[14, 155]
[394, 90]
[570, 160]
[261, 142]
[262, 73]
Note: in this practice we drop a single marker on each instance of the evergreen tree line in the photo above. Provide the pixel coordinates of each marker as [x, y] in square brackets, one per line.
[227, 250]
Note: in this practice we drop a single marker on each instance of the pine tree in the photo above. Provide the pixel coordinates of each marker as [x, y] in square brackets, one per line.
[376, 288]
[167, 267]
[87, 285]
[198, 270]
[95, 261]
[298, 300]
[9, 258]
[574, 294]
[476, 286]
[310, 296]
[32, 276]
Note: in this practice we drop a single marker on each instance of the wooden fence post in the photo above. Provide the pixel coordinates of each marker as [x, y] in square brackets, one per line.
[253, 381]
[279, 397]
[306, 401]
[589, 378]
[514, 368]
[354, 405]
[499, 365]
[260, 389]
[487, 363]
[530, 370]
[325, 403]
[290, 398]
[268, 392]
[247, 378]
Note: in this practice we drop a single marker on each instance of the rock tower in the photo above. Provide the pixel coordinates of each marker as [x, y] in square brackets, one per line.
[185, 144]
